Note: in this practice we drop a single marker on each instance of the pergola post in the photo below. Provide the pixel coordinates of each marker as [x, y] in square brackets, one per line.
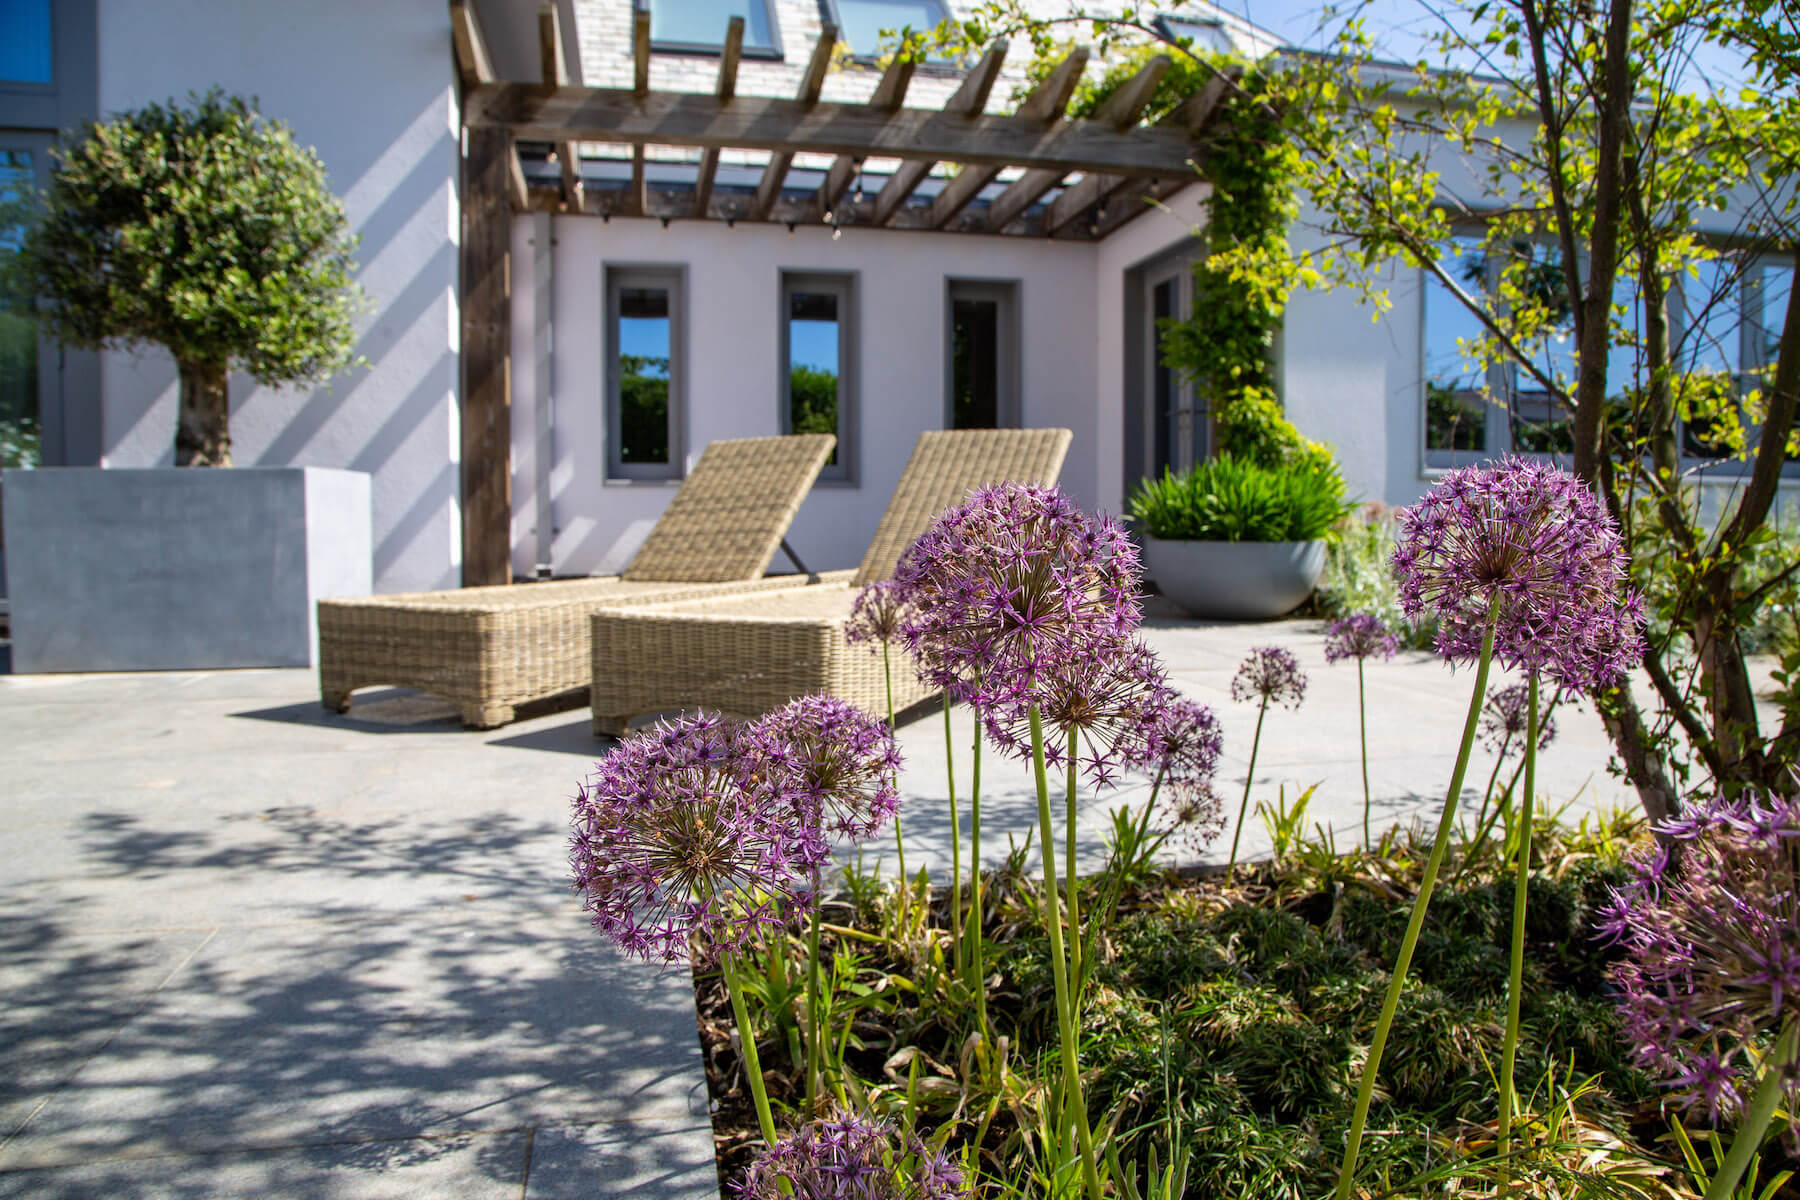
[487, 357]
[490, 181]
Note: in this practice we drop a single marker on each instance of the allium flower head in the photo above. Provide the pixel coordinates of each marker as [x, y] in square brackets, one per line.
[877, 615]
[1363, 635]
[1011, 582]
[1103, 690]
[848, 1156]
[837, 765]
[1270, 675]
[1537, 539]
[1179, 741]
[1191, 814]
[1504, 717]
[1712, 933]
[674, 841]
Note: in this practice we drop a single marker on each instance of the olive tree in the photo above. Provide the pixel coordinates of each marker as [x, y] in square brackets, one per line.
[205, 230]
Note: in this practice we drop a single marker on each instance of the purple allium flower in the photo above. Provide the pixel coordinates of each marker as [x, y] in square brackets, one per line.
[1192, 814]
[1011, 582]
[1103, 690]
[837, 765]
[1713, 935]
[1504, 717]
[1363, 635]
[674, 842]
[1539, 540]
[1179, 742]
[877, 615]
[848, 1156]
[1270, 675]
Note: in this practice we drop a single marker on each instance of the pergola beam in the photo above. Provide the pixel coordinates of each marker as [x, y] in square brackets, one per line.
[812, 84]
[727, 88]
[1194, 115]
[474, 66]
[1121, 110]
[890, 94]
[788, 126]
[1044, 105]
[556, 74]
[970, 98]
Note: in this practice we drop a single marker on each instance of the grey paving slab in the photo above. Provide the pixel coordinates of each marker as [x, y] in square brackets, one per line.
[637, 1159]
[289, 1034]
[458, 1167]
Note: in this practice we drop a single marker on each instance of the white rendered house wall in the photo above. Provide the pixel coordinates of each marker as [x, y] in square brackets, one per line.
[370, 87]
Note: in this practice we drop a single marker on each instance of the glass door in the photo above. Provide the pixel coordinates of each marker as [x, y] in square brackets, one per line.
[1177, 424]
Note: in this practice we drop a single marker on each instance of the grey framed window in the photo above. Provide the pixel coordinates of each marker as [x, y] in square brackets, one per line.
[646, 371]
[982, 357]
[1458, 391]
[25, 44]
[698, 26]
[860, 22]
[1727, 316]
[818, 364]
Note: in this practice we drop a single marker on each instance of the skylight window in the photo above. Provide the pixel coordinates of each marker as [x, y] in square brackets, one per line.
[699, 25]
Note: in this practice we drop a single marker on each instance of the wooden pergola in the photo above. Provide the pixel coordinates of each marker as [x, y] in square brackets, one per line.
[1120, 168]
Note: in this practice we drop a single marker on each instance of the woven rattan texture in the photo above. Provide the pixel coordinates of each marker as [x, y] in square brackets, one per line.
[485, 653]
[945, 466]
[728, 519]
[747, 654]
[491, 649]
[743, 659]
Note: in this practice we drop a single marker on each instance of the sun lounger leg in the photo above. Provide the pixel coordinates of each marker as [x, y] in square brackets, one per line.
[336, 700]
[610, 727]
[486, 716]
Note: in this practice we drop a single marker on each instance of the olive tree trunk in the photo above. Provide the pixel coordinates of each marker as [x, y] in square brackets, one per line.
[203, 424]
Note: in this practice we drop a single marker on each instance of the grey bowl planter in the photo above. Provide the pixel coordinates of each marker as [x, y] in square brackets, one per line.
[1235, 581]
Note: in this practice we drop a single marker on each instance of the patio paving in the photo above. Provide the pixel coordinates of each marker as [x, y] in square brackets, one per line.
[253, 948]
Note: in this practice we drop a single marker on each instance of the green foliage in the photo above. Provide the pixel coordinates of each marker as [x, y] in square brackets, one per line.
[19, 443]
[1358, 579]
[1229, 499]
[813, 402]
[643, 409]
[205, 230]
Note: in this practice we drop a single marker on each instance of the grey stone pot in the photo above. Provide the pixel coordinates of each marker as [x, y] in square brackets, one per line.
[159, 569]
[1235, 581]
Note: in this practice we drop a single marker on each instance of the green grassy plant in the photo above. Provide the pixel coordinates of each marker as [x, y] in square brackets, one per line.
[1229, 499]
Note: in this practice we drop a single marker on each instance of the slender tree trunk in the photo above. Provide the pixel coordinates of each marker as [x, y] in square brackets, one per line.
[203, 425]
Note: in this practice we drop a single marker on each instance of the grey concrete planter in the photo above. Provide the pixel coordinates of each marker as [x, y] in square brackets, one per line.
[1235, 581]
[132, 570]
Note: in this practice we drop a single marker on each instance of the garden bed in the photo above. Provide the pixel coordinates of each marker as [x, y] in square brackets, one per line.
[1246, 1008]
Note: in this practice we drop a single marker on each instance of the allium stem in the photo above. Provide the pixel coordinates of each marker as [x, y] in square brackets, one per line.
[1065, 1015]
[955, 842]
[1249, 776]
[887, 678]
[977, 957]
[1516, 972]
[1365, 1088]
[1757, 1114]
[1362, 727]
[816, 1033]
[759, 1093]
[1073, 883]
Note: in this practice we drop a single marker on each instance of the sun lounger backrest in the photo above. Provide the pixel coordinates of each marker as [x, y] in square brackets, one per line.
[732, 511]
[945, 466]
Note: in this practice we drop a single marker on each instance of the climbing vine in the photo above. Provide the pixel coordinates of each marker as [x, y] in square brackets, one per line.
[1242, 283]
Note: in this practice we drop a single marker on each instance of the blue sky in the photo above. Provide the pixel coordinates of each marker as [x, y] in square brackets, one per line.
[1402, 28]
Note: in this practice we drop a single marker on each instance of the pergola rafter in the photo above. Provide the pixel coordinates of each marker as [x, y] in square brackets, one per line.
[1124, 167]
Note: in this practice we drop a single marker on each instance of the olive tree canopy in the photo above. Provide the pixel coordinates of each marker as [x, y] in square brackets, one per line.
[205, 230]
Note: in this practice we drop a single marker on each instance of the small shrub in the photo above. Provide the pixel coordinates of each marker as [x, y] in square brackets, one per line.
[1358, 579]
[1229, 499]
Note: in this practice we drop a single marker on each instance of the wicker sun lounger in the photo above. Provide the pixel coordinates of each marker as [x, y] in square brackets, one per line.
[490, 649]
[747, 654]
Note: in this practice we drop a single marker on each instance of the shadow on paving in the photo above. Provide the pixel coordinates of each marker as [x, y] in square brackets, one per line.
[403, 710]
[333, 1034]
